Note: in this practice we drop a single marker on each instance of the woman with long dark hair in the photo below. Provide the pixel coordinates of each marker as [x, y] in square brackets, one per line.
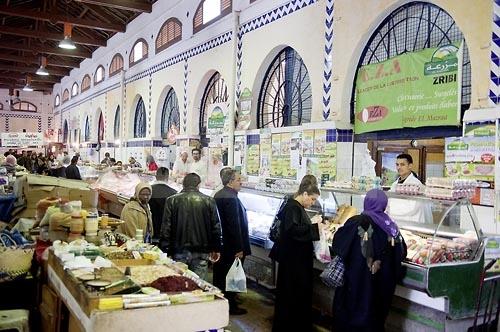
[294, 252]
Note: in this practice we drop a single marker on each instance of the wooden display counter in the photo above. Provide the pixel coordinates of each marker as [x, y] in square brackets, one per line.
[84, 313]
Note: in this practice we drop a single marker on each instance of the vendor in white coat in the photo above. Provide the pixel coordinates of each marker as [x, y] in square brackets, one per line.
[198, 165]
[408, 210]
[404, 166]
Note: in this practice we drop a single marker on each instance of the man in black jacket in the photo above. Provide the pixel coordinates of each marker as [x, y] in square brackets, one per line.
[235, 241]
[190, 231]
[160, 192]
[72, 171]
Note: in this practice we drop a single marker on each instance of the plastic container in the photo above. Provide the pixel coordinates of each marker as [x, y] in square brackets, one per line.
[139, 235]
[91, 225]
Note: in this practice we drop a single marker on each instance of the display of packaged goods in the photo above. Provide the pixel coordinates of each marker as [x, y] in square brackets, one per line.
[338, 184]
[365, 183]
[451, 183]
[449, 194]
[427, 250]
[409, 189]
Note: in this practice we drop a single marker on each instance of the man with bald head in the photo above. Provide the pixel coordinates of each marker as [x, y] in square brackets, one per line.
[181, 166]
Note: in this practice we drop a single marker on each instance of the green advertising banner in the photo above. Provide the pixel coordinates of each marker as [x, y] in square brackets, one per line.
[410, 90]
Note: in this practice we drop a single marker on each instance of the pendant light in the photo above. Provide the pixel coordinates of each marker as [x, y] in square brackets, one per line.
[67, 43]
[28, 86]
[42, 71]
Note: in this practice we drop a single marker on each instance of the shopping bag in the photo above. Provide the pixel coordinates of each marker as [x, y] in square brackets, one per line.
[236, 281]
[322, 249]
[333, 274]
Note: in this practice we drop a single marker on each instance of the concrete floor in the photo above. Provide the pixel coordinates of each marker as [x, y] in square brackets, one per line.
[259, 303]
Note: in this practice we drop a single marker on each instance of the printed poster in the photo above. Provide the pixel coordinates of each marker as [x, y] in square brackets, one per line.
[414, 89]
[239, 151]
[470, 157]
[253, 159]
[265, 155]
[308, 143]
[323, 163]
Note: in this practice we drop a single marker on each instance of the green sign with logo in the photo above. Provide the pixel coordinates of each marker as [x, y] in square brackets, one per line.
[410, 90]
[216, 119]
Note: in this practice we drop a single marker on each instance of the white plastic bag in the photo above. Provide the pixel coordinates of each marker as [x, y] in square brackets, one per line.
[236, 281]
[322, 249]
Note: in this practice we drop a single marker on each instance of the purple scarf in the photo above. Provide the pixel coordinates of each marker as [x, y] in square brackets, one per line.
[374, 207]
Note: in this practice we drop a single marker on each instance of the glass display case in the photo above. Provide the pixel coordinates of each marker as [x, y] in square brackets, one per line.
[445, 245]
[116, 187]
[262, 207]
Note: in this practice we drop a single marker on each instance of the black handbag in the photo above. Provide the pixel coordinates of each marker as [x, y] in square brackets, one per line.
[274, 230]
[333, 274]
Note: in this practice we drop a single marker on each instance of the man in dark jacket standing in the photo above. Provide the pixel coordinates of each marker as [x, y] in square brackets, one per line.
[190, 231]
[161, 191]
[236, 243]
[72, 171]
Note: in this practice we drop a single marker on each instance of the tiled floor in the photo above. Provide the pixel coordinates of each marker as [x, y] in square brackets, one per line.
[260, 305]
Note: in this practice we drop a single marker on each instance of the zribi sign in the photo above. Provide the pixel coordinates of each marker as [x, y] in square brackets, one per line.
[410, 90]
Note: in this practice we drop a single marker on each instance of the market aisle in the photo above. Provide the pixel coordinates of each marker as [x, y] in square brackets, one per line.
[260, 305]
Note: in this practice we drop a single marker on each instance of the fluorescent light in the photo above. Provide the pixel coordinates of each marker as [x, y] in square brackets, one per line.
[67, 43]
[42, 71]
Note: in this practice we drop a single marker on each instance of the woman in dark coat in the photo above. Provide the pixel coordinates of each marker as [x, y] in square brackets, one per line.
[372, 250]
[294, 252]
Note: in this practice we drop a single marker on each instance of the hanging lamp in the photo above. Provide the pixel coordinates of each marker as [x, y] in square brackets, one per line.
[28, 86]
[67, 43]
[42, 71]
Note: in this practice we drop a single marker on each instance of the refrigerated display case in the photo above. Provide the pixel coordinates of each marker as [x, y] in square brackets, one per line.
[116, 187]
[262, 207]
[445, 252]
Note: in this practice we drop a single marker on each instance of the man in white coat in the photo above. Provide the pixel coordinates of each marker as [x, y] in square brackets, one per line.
[408, 210]
[198, 165]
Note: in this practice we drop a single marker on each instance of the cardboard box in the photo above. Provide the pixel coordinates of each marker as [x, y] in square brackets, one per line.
[39, 187]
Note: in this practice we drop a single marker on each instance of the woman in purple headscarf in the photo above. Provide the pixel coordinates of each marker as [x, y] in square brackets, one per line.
[372, 250]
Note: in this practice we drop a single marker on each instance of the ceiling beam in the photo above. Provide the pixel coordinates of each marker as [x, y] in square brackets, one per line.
[20, 86]
[33, 69]
[60, 18]
[40, 48]
[34, 78]
[131, 5]
[50, 36]
[36, 60]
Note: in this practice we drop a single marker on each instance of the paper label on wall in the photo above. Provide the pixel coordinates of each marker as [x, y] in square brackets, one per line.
[276, 144]
[239, 151]
[265, 155]
[308, 143]
[470, 156]
[323, 163]
[245, 108]
[253, 159]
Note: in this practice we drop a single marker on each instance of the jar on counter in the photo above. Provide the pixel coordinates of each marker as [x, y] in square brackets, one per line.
[76, 225]
[91, 224]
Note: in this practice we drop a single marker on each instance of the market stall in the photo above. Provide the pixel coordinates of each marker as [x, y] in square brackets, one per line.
[104, 298]
[445, 256]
